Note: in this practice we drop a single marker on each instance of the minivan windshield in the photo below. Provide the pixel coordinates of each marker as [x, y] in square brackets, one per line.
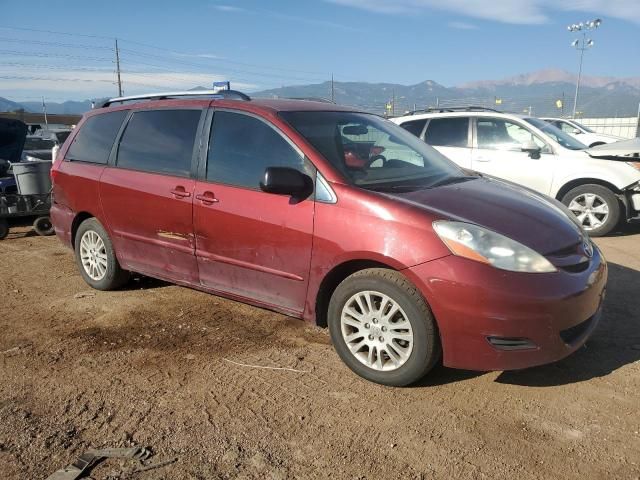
[564, 139]
[374, 153]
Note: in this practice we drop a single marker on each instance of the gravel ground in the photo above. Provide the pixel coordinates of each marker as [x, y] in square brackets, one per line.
[157, 365]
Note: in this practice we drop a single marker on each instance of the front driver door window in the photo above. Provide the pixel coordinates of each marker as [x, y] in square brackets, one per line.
[499, 152]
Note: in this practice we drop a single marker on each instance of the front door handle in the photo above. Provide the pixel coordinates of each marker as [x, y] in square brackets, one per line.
[483, 159]
[207, 198]
[180, 192]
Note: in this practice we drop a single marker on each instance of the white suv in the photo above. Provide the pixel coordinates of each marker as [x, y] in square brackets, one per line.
[534, 153]
[580, 132]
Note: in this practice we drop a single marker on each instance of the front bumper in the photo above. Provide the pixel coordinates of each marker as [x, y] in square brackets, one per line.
[474, 304]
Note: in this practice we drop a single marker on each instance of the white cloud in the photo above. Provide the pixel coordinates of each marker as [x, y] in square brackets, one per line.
[462, 26]
[505, 11]
[21, 83]
[228, 8]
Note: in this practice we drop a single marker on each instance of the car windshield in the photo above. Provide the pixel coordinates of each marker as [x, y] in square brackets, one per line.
[374, 153]
[35, 143]
[586, 129]
[564, 139]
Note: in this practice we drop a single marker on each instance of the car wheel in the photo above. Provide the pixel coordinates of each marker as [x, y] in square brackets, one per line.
[382, 327]
[43, 226]
[96, 257]
[4, 228]
[597, 208]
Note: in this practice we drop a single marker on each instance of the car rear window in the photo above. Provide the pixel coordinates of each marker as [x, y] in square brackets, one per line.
[448, 132]
[96, 136]
[160, 141]
[414, 126]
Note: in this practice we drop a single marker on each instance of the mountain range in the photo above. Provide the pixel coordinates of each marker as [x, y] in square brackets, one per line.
[537, 92]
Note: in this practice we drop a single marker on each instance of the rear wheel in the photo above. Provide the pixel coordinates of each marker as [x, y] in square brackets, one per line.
[382, 328]
[43, 226]
[597, 208]
[96, 257]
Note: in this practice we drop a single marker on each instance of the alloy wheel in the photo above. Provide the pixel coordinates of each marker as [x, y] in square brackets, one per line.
[93, 255]
[376, 330]
[591, 209]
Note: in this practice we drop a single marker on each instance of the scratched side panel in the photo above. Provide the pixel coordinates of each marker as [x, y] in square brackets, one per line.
[152, 229]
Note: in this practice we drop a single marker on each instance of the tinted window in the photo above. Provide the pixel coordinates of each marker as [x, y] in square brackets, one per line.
[242, 147]
[160, 141]
[96, 136]
[448, 132]
[414, 126]
[38, 144]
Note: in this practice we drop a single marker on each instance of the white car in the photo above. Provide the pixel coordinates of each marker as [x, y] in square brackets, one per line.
[582, 133]
[599, 187]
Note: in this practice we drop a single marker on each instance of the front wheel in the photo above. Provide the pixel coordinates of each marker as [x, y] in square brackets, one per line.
[382, 327]
[597, 208]
[96, 258]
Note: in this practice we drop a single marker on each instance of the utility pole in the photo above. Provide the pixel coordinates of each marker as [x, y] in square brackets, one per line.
[44, 110]
[118, 69]
[332, 90]
[393, 102]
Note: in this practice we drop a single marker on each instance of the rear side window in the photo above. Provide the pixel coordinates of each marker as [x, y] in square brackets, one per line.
[414, 126]
[160, 141]
[242, 147]
[96, 136]
[448, 132]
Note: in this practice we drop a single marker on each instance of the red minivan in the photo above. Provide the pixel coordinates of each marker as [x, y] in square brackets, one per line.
[332, 215]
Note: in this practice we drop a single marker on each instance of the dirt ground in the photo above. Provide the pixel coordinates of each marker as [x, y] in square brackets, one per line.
[152, 365]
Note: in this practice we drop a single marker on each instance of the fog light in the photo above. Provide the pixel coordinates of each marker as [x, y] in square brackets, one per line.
[511, 343]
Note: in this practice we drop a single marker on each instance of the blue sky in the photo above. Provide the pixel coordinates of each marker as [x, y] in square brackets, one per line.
[259, 44]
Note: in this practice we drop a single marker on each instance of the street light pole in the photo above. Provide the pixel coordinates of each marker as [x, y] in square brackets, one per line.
[582, 46]
[575, 99]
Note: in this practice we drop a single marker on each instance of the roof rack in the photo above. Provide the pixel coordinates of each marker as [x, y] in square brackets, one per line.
[214, 94]
[312, 99]
[454, 109]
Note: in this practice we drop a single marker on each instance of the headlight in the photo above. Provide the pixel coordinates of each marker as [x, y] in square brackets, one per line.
[482, 245]
[635, 165]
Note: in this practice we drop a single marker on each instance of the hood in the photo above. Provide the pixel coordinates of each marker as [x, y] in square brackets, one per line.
[534, 220]
[12, 136]
[629, 149]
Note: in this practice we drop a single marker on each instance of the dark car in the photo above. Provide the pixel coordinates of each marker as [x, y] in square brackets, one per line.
[406, 257]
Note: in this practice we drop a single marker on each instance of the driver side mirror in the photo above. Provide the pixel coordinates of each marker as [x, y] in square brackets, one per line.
[286, 181]
[577, 131]
[532, 149]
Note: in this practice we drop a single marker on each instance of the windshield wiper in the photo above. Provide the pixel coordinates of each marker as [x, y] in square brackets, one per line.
[451, 180]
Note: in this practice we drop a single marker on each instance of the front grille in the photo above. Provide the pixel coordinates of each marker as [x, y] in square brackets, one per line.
[571, 335]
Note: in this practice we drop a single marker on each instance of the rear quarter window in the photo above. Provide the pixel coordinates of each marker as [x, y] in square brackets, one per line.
[96, 136]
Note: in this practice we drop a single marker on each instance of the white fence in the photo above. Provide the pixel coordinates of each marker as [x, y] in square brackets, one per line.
[627, 127]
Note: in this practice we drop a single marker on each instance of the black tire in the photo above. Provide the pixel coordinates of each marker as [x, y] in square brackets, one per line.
[43, 226]
[426, 342]
[607, 196]
[4, 228]
[114, 277]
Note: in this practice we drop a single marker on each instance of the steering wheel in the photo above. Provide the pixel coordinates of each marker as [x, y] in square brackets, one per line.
[375, 158]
